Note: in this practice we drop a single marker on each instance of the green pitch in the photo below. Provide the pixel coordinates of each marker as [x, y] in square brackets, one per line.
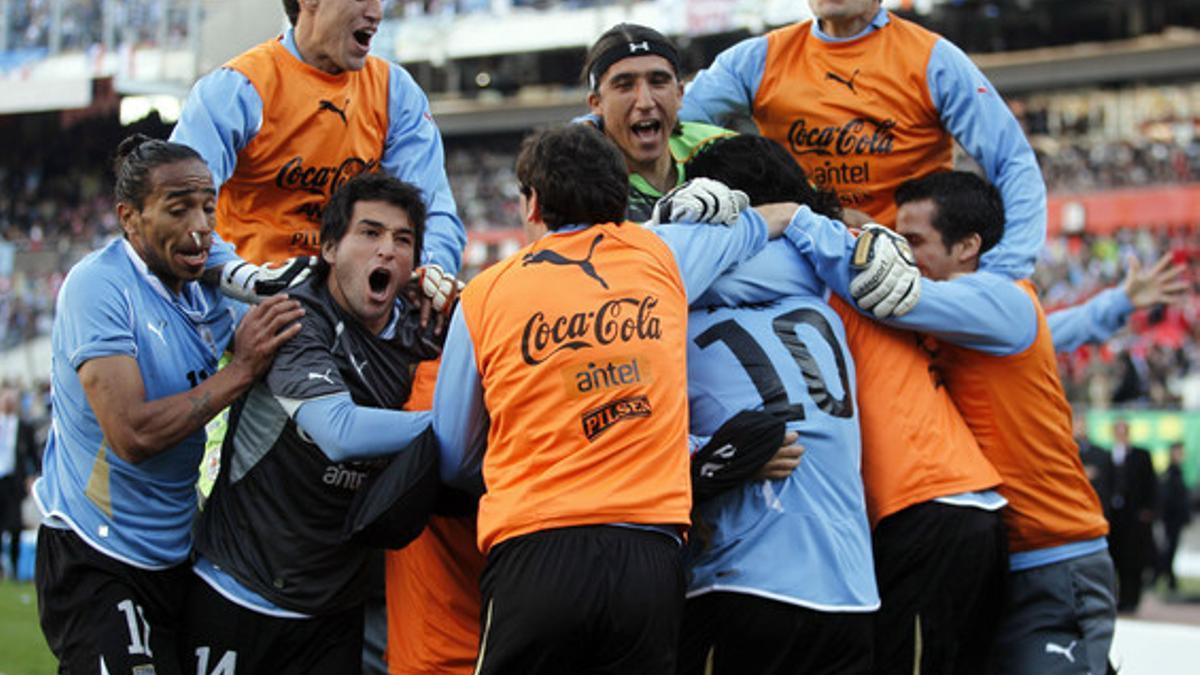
[23, 650]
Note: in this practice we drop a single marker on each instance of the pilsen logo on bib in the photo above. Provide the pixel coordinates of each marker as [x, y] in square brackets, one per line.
[617, 320]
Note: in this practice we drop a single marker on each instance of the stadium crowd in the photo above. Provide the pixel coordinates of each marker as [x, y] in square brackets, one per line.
[31, 27]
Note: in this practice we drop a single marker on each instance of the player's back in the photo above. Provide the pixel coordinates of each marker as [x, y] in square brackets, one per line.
[916, 445]
[586, 401]
[804, 539]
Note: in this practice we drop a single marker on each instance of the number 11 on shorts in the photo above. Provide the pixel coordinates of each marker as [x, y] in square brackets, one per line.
[139, 640]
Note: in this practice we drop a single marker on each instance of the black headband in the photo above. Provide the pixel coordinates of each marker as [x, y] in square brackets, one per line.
[625, 50]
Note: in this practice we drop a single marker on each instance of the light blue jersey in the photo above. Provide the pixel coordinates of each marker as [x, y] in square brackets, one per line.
[111, 305]
[803, 540]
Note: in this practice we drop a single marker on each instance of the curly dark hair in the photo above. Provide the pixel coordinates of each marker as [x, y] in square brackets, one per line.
[579, 176]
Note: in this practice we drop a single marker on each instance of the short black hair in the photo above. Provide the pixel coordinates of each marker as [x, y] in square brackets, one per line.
[136, 157]
[762, 169]
[965, 204]
[371, 187]
[621, 35]
[292, 9]
[579, 176]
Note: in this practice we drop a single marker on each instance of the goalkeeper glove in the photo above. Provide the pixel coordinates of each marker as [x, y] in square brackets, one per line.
[253, 283]
[700, 200]
[441, 287]
[887, 282]
[735, 453]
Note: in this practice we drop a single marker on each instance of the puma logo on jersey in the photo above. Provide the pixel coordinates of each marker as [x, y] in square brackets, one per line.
[556, 258]
[325, 104]
[358, 365]
[830, 75]
[157, 329]
[1052, 648]
[321, 376]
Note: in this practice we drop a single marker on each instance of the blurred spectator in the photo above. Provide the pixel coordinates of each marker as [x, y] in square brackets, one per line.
[19, 464]
[137, 22]
[1176, 512]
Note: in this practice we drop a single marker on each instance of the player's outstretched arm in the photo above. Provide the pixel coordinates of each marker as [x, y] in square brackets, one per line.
[346, 431]
[1106, 312]
[137, 429]
[250, 283]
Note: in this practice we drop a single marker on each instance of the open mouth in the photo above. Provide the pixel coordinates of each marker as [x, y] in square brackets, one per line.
[379, 280]
[647, 129]
[193, 257]
[363, 37]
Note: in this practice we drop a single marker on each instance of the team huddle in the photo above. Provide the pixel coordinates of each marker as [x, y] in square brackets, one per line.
[768, 403]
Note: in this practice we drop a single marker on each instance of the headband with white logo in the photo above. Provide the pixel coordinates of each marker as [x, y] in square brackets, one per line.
[625, 50]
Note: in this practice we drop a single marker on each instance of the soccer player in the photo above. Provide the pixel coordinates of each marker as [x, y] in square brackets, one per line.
[789, 558]
[996, 357]
[938, 542]
[634, 93]
[865, 100]
[278, 588]
[136, 341]
[285, 124]
[576, 397]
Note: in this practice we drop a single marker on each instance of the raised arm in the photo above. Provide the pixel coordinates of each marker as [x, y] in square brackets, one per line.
[726, 89]
[413, 153]
[974, 113]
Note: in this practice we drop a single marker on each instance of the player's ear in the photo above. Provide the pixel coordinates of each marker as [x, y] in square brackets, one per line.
[968, 247]
[329, 252]
[129, 217]
[593, 101]
[533, 208]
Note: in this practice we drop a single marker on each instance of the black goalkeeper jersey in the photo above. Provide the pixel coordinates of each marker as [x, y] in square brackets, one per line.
[275, 516]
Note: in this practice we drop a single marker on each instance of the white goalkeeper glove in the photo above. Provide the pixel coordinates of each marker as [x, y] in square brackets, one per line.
[254, 283]
[441, 287]
[700, 200]
[887, 282]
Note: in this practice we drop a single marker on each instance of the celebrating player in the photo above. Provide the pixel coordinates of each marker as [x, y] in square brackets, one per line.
[791, 558]
[865, 100]
[285, 124]
[136, 342]
[278, 587]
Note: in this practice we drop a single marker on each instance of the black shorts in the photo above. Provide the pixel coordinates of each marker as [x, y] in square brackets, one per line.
[941, 571]
[97, 610]
[745, 634]
[216, 630]
[599, 599]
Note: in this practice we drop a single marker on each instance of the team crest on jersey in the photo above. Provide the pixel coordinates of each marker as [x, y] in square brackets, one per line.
[599, 420]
